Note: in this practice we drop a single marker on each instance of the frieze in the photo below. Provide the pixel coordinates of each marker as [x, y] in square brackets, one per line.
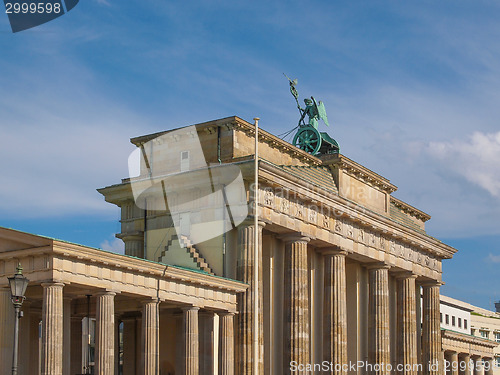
[361, 235]
[313, 215]
[326, 221]
[338, 226]
[269, 198]
[351, 230]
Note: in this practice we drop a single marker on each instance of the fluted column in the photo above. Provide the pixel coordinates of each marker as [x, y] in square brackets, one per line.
[191, 347]
[245, 273]
[431, 331]
[478, 366]
[105, 330]
[489, 366]
[407, 323]
[296, 325]
[465, 369]
[76, 345]
[454, 364]
[379, 354]
[335, 310]
[67, 336]
[34, 345]
[6, 331]
[150, 336]
[52, 329]
[129, 345]
[134, 244]
[226, 362]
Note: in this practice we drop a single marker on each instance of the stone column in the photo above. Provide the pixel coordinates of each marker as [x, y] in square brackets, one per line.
[25, 354]
[431, 330]
[407, 323]
[150, 336]
[191, 350]
[105, 330]
[6, 331]
[52, 329]
[206, 342]
[67, 336]
[465, 358]
[335, 309]
[34, 364]
[226, 361]
[489, 366]
[478, 366]
[129, 336]
[454, 364]
[244, 271]
[134, 244]
[296, 324]
[76, 345]
[379, 354]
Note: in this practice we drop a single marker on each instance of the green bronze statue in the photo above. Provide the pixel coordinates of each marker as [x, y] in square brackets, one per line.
[308, 138]
[314, 110]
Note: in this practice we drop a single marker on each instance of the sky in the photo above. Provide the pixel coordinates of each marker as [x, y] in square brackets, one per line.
[411, 89]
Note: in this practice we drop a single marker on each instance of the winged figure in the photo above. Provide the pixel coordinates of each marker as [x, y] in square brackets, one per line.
[315, 111]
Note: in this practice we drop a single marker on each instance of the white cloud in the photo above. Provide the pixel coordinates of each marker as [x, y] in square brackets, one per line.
[493, 258]
[476, 158]
[115, 246]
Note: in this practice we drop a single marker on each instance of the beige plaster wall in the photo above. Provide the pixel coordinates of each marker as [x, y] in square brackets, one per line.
[362, 193]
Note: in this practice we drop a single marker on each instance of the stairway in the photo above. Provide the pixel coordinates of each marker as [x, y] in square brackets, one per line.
[191, 249]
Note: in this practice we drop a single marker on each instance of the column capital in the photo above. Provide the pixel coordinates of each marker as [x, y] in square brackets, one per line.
[190, 308]
[377, 266]
[332, 251]
[250, 221]
[430, 283]
[294, 237]
[106, 293]
[225, 313]
[150, 300]
[52, 283]
[405, 275]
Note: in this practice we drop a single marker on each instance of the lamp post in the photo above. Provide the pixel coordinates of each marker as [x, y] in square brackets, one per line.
[18, 284]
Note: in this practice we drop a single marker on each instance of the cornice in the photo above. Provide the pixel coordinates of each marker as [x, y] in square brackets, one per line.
[406, 208]
[357, 170]
[468, 338]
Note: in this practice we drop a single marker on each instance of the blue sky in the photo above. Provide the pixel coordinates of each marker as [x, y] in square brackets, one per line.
[411, 90]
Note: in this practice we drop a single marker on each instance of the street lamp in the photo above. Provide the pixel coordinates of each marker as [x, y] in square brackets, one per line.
[18, 284]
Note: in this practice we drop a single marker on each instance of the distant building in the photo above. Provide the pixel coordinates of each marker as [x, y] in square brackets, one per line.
[470, 333]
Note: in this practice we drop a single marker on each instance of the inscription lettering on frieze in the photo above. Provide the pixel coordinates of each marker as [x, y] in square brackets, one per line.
[371, 239]
[285, 206]
[269, 198]
[338, 226]
[361, 235]
[326, 222]
[350, 230]
[299, 210]
[313, 215]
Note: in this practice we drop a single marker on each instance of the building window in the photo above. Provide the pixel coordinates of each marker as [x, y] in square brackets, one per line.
[441, 317]
[497, 336]
[447, 317]
[483, 333]
[465, 323]
[497, 362]
[184, 161]
[459, 322]
[453, 321]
